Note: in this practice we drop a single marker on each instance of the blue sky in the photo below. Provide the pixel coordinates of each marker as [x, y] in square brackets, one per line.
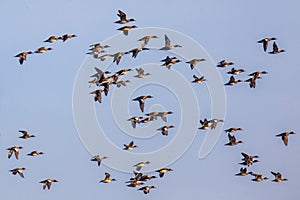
[37, 97]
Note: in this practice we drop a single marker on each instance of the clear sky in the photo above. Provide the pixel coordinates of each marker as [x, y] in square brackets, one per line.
[37, 97]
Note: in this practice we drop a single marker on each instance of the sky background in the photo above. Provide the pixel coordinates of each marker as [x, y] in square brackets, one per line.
[37, 97]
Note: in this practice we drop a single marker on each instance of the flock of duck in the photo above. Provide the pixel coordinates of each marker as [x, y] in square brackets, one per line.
[104, 81]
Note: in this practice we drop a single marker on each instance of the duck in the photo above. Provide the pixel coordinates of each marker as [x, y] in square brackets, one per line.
[139, 166]
[122, 83]
[141, 73]
[123, 19]
[248, 162]
[233, 130]
[146, 189]
[153, 115]
[168, 45]
[141, 100]
[135, 184]
[18, 171]
[194, 62]
[146, 39]
[68, 37]
[285, 136]
[170, 63]
[205, 124]
[47, 183]
[35, 153]
[232, 81]
[23, 56]
[43, 49]
[257, 74]
[163, 115]
[234, 71]
[118, 56]
[224, 63]
[126, 29]
[165, 129]
[198, 80]
[214, 122]
[25, 135]
[266, 41]
[130, 146]
[106, 86]
[247, 157]
[52, 39]
[243, 172]
[107, 178]
[135, 120]
[136, 51]
[14, 150]
[252, 81]
[137, 177]
[259, 177]
[105, 56]
[276, 50]
[98, 159]
[278, 177]
[162, 171]
[232, 140]
[97, 95]
[100, 74]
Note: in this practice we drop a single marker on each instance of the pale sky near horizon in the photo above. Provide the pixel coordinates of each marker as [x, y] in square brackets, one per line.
[37, 96]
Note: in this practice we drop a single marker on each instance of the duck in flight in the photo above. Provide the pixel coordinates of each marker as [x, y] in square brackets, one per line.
[107, 178]
[14, 150]
[276, 50]
[278, 178]
[48, 182]
[168, 45]
[265, 42]
[165, 129]
[130, 146]
[98, 159]
[123, 19]
[23, 56]
[146, 39]
[18, 171]
[25, 135]
[141, 100]
[285, 137]
[126, 29]
[194, 62]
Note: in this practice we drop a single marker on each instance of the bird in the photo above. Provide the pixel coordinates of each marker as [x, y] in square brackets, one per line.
[52, 39]
[232, 140]
[194, 62]
[100, 75]
[126, 29]
[18, 171]
[98, 159]
[162, 171]
[136, 51]
[198, 80]
[135, 120]
[285, 136]
[146, 39]
[67, 37]
[141, 100]
[107, 178]
[118, 56]
[146, 178]
[234, 71]
[257, 74]
[47, 183]
[35, 153]
[252, 81]
[278, 177]
[130, 146]
[23, 56]
[139, 165]
[232, 81]
[204, 124]
[14, 150]
[168, 45]
[123, 19]
[243, 172]
[247, 157]
[25, 135]
[169, 62]
[276, 50]
[141, 73]
[214, 122]
[146, 189]
[122, 83]
[258, 177]
[248, 162]
[165, 129]
[163, 115]
[97, 95]
[224, 63]
[232, 130]
[106, 86]
[265, 42]
[43, 49]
